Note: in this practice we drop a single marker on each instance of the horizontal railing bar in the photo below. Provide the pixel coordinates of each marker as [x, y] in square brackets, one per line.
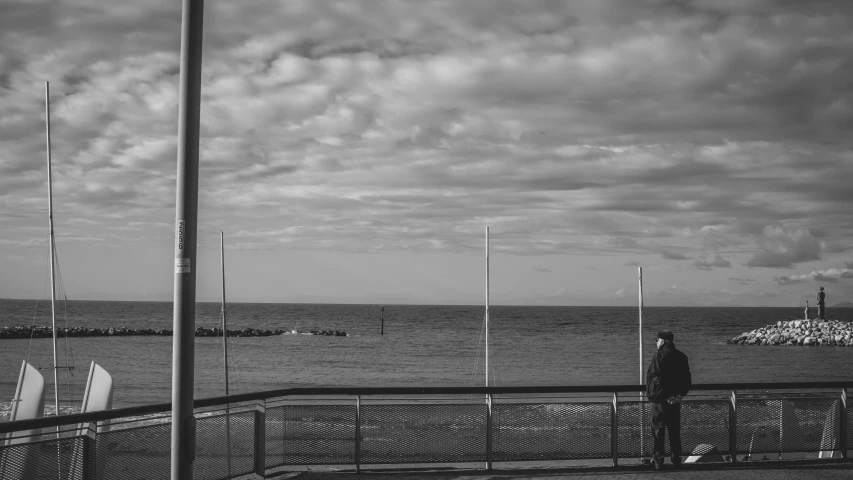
[367, 391]
[264, 395]
[98, 416]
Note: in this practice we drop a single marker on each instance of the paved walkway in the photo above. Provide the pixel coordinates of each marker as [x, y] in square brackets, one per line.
[823, 470]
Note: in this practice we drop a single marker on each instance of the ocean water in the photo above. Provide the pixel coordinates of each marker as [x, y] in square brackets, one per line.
[422, 346]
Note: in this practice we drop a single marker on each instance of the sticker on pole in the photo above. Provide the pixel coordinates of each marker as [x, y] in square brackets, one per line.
[182, 265]
[180, 229]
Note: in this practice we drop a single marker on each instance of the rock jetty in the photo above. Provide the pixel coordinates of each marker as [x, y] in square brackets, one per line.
[328, 333]
[23, 331]
[799, 332]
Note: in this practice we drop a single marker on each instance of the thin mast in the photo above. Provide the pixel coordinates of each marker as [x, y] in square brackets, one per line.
[640, 274]
[52, 247]
[487, 306]
[225, 353]
[224, 314]
[642, 380]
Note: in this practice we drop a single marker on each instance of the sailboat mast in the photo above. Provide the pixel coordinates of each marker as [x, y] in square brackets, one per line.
[487, 306]
[51, 246]
[224, 314]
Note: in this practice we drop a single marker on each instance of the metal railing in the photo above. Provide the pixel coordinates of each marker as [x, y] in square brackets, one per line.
[250, 434]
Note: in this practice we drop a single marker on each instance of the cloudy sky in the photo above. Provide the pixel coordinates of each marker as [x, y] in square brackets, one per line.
[354, 151]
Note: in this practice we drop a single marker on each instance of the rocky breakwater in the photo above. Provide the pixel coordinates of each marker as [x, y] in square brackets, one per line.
[23, 331]
[799, 332]
[328, 333]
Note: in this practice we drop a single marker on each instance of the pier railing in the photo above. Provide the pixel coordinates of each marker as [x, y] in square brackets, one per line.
[255, 433]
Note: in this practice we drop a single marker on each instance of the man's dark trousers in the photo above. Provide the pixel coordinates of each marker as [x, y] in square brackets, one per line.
[666, 416]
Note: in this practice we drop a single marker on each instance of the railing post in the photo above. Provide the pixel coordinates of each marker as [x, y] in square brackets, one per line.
[733, 427]
[90, 463]
[614, 431]
[643, 426]
[489, 432]
[358, 434]
[842, 430]
[260, 438]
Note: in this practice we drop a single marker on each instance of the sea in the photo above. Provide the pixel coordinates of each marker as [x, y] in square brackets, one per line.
[422, 345]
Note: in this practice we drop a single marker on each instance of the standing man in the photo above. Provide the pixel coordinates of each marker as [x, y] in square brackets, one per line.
[667, 382]
[821, 298]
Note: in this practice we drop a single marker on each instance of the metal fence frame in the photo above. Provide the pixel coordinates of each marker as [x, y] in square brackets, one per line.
[89, 458]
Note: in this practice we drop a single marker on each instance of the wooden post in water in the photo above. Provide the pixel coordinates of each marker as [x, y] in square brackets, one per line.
[382, 319]
[183, 440]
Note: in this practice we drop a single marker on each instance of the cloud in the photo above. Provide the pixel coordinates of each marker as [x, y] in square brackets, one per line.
[542, 269]
[718, 261]
[623, 242]
[830, 275]
[782, 247]
[632, 263]
[742, 281]
[787, 280]
[369, 126]
[670, 253]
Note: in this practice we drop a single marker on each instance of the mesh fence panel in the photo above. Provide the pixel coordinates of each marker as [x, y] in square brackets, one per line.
[634, 437]
[138, 453]
[418, 433]
[221, 435]
[849, 427]
[560, 431]
[312, 435]
[704, 422]
[274, 437]
[787, 425]
[46, 459]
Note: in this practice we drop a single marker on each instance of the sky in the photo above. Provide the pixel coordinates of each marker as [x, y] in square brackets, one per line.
[356, 151]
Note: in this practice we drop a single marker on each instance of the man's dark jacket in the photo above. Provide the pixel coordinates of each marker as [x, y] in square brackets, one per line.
[668, 374]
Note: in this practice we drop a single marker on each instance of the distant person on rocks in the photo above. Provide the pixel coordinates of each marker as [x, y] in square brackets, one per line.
[667, 382]
[821, 298]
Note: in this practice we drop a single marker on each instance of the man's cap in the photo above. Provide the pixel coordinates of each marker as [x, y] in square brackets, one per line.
[821, 288]
[666, 335]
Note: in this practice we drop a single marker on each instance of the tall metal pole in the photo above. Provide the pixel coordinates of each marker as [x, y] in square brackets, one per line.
[225, 355]
[52, 246]
[186, 213]
[488, 396]
[642, 379]
[640, 273]
[487, 306]
[382, 320]
[224, 313]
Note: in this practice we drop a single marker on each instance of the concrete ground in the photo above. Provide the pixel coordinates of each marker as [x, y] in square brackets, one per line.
[776, 470]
